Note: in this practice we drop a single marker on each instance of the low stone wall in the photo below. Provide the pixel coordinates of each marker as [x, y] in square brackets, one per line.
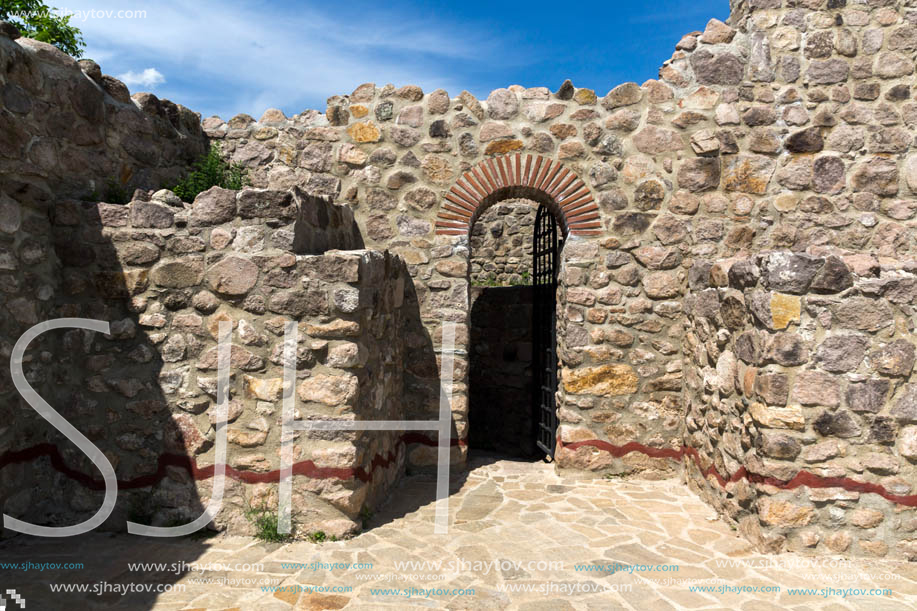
[501, 245]
[164, 276]
[500, 376]
[801, 400]
[71, 130]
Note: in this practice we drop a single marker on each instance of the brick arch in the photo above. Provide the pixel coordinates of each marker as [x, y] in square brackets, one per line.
[519, 176]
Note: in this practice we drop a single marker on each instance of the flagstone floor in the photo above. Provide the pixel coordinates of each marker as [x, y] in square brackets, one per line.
[507, 520]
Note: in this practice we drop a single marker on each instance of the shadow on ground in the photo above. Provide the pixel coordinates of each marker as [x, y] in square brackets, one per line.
[419, 490]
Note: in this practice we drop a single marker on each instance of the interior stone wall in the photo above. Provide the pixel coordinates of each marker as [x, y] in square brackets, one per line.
[789, 128]
[71, 130]
[501, 245]
[165, 275]
[800, 383]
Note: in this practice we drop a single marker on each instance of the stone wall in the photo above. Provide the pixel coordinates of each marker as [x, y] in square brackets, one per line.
[71, 130]
[164, 276]
[619, 335]
[790, 128]
[800, 384]
[501, 245]
[500, 375]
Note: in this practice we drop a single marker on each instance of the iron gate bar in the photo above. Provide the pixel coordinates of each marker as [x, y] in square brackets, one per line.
[544, 331]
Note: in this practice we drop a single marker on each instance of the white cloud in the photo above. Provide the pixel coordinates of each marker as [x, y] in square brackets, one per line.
[227, 57]
[147, 78]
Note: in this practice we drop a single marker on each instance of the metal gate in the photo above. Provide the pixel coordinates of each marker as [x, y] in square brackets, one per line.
[547, 245]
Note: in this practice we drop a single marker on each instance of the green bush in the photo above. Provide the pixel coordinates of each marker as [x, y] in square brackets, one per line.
[366, 514]
[266, 522]
[116, 193]
[34, 19]
[211, 170]
[491, 281]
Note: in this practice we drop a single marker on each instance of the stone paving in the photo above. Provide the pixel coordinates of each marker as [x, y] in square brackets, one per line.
[500, 510]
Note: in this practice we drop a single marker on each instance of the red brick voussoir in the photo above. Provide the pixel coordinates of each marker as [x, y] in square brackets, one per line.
[528, 176]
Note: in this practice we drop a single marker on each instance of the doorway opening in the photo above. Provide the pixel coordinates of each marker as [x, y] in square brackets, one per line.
[513, 359]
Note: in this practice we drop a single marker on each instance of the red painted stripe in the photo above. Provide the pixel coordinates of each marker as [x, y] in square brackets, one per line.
[306, 467]
[803, 478]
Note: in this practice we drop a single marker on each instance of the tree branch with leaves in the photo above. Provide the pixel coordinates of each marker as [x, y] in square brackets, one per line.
[34, 19]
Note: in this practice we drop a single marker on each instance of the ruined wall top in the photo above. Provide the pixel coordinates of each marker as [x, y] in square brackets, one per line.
[739, 9]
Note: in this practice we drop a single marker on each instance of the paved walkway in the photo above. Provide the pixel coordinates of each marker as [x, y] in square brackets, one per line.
[519, 515]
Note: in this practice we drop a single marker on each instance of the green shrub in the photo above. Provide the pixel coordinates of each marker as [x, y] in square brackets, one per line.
[116, 193]
[266, 522]
[211, 170]
[366, 514]
[491, 281]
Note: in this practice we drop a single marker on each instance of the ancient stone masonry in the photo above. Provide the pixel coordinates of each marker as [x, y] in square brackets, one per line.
[799, 383]
[789, 130]
[67, 126]
[165, 277]
[501, 245]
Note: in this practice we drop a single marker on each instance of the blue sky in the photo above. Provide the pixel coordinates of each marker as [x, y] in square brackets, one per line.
[231, 56]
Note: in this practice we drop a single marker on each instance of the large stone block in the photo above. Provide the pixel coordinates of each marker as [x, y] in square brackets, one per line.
[748, 173]
[604, 380]
[775, 512]
[232, 276]
[214, 207]
[178, 274]
[329, 390]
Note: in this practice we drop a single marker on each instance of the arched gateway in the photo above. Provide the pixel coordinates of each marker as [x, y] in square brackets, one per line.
[566, 208]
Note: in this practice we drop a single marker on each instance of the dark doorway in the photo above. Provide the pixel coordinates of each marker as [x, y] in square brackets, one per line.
[513, 369]
[501, 373]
